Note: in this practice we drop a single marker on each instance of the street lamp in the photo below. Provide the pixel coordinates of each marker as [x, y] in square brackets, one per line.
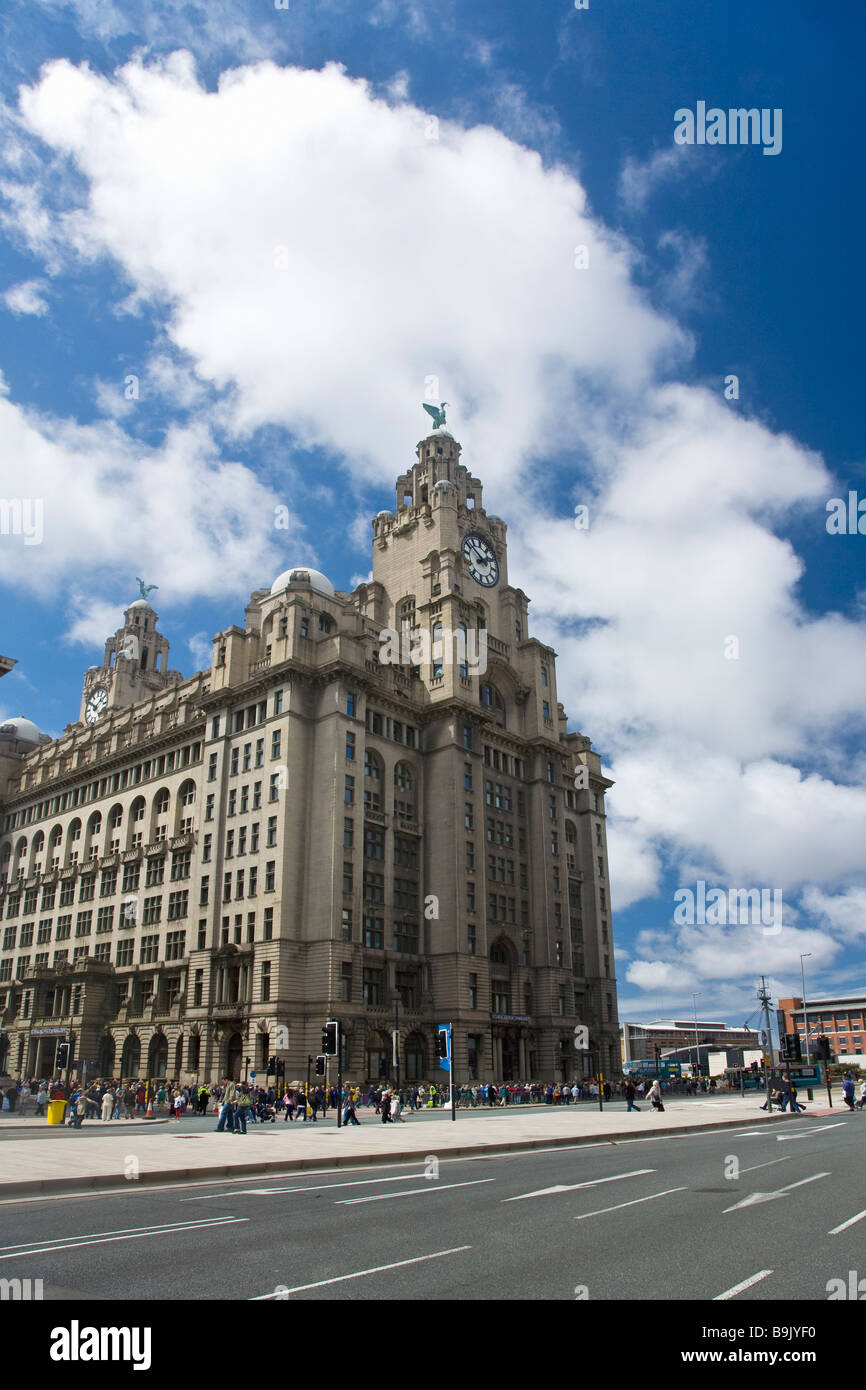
[695, 998]
[803, 956]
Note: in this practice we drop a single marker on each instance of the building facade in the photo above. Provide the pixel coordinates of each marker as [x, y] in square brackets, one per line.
[841, 1018]
[651, 1041]
[369, 808]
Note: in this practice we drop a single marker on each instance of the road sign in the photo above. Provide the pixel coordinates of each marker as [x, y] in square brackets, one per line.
[581, 1037]
[252, 1076]
[764, 1038]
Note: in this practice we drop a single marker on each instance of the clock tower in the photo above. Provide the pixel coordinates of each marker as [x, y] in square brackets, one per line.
[135, 666]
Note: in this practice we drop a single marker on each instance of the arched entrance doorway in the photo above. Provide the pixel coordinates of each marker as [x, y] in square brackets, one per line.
[414, 1058]
[157, 1056]
[130, 1058]
[234, 1056]
[377, 1057]
[105, 1060]
[510, 1056]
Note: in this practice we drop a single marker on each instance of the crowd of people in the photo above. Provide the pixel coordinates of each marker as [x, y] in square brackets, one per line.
[236, 1104]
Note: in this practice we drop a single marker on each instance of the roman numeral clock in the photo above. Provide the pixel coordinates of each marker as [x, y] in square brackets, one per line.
[481, 560]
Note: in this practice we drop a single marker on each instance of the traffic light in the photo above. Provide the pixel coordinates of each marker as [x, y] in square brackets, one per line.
[791, 1049]
[62, 1062]
[329, 1039]
[442, 1042]
[272, 1066]
[321, 1062]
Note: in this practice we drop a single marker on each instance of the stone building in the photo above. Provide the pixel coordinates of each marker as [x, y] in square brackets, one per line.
[369, 808]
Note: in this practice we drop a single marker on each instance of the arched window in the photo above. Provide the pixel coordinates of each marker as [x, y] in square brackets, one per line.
[4, 863]
[404, 792]
[570, 833]
[159, 826]
[20, 858]
[437, 650]
[135, 827]
[73, 839]
[115, 821]
[54, 847]
[185, 804]
[37, 849]
[93, 836]
[374, 770]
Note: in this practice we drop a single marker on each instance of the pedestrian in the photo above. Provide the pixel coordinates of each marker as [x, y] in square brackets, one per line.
[386, 1107]
[107, 1105]
[396, 1107]
[226, 1119]
[862, 1101]
[41, 1098]
[848, 1090]
[349, 1116]
[654, 1095]
[629, 1096]
[178, 1104]
[243, 1110]
[792, 1097]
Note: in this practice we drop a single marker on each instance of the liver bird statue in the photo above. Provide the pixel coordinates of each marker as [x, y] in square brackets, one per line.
[437, 412]
[144, 589]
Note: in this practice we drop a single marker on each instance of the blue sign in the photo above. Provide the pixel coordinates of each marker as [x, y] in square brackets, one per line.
[445, 1062]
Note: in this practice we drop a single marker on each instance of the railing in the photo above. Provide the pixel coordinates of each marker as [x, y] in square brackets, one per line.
[500, 648]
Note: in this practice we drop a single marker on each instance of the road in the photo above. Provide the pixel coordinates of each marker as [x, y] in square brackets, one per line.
[745, 1215]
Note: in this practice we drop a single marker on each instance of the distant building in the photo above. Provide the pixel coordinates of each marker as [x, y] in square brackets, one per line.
[647, 1041]
[6, 664]
[839, 1017]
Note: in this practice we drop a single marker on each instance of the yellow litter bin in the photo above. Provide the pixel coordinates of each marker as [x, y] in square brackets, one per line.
[56, 1109]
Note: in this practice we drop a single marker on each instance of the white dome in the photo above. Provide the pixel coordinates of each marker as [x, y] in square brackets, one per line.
[440, 434]
[21, 730]
[302, 574]
[141, 603]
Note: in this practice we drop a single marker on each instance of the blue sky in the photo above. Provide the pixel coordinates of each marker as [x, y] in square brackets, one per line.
[284, 233]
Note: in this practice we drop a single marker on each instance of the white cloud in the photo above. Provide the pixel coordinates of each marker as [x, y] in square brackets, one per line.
[313, 251]
[201, 650]
[639, 179]
[28, 297]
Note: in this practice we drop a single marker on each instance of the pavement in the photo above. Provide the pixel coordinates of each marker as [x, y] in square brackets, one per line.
[113, 1154]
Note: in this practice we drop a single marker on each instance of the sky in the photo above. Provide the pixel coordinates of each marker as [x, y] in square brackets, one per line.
[240, 244]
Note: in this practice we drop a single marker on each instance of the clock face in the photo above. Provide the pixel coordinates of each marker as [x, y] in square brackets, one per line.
[481, 559]
[96, 704]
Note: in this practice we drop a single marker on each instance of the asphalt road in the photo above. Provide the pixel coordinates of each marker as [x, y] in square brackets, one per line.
[733, 1215]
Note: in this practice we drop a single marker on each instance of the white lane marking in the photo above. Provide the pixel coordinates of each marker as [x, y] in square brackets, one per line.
[755, 1166]
[634, 1203]
[805, 1133]
[572, 1187]
[411, 1192]
[320, 1187]
[757, 1197]
[746, 1284]
[122, 1231]
[852, 1221]
[135, 1235]
[359, 1274]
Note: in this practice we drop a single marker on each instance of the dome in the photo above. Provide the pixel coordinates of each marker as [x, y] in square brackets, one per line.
[302, 574]
[141, 603]
[21, 730]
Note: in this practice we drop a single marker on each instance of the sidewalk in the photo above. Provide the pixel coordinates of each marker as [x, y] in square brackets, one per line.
[112, 1159]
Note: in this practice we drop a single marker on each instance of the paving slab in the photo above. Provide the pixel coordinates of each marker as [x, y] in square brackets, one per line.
[120, 1153]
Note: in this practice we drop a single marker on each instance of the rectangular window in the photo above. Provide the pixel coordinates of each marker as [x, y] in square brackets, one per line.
[467, 776]
[152, 910]
[350, 747]
[215, 726]
[374, 928]
[269, 924]
[64, 927]
[235, 762]
[405, 937]
[253, 882]
[175, 945]
[349, 794]
[242, 840]
[86, 888]
[374, 843]
[274, 787]
[260, 753]
[149, 951]
[473, 991]
[346, 982]
[104, 920]
[374, 886]
[278, 702]
[178, 903]
[351, 703]
[123, 952]
[467, 815]
[467, 735]
[470, 897]
[346, 924]
[180, 864]
[372, 986]
[207, 845]
[131, 877]
[348, 832]
[233, 803]
[470, 939]
[230, 844]
[270, 875]
[212, 767]
[266, 981]
[83, 923]
[276, 743]
[208, 809]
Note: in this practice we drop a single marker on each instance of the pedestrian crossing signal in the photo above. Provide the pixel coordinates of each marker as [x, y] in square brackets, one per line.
[321, 1063]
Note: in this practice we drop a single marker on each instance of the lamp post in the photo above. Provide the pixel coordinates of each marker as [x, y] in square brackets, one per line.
[695, 998]
[803, 956]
